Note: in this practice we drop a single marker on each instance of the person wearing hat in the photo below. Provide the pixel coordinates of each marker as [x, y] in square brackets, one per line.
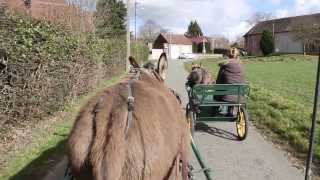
[231, 72]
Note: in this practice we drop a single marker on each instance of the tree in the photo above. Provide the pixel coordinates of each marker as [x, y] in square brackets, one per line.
[266, 43]
[308, 32]
[259, 17]
[194, 29]
[240, 41]
[110, 18]
[235, 45]
[150, 30]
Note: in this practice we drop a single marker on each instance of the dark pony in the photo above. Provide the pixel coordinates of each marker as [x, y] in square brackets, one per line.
[199, 75]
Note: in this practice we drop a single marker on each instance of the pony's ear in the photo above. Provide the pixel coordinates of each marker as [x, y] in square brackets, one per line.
[133, 62]
[200, 64]
[162, 66]
[192, 64]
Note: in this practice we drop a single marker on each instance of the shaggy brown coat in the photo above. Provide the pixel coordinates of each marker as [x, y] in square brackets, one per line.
[199, 75]
[156, 141]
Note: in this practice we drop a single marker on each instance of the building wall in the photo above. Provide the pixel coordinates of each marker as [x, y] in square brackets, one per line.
[252, 45]
[313, 48]
[175, 50]
[156, 54]
[286, 43]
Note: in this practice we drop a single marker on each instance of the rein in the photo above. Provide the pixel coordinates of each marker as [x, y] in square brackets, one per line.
[136, 73]
[130, 99]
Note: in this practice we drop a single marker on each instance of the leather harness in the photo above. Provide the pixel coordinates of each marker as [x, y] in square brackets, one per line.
[130, 99]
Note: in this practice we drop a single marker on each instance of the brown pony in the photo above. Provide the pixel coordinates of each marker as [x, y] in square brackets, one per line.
[105, 145]
[199, 75]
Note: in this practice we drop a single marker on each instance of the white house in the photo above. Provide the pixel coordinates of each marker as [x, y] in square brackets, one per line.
[173, 44]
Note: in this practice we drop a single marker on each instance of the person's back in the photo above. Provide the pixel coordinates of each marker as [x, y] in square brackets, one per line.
[231, 72]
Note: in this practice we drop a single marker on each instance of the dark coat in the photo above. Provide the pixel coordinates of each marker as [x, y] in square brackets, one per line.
[231, 72]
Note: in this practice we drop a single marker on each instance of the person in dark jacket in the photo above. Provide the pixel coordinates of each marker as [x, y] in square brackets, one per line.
[231, 72]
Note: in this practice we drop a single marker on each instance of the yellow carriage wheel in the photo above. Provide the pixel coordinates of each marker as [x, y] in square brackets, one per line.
[242, 124]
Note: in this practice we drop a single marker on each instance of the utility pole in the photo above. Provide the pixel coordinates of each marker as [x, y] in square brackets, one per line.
[169, 48]
[128, 36]
[135, 20]
[313, 126]
[273, 29]
[204, 51]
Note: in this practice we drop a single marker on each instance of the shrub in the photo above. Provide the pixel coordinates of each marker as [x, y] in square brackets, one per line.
[266, 43]
[46, 66]
[140, 51]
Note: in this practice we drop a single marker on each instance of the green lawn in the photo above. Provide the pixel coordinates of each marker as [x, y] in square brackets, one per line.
[282, 90]
[293, 80]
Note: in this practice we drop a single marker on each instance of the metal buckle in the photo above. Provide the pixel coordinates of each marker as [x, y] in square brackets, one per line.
[130, 103]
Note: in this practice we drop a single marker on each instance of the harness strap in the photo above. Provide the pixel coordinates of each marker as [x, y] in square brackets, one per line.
[130, 99]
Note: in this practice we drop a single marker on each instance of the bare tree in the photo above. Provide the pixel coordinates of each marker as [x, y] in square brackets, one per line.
[307, 31]
[150, 30]
[239, 42]
[259, 17]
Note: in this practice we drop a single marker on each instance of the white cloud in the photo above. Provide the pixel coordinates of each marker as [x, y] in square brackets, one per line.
[280, 13]
[300, 7]
[307, 6]
[224, 17]
[227, 17]
[238, 30]
[276, 2]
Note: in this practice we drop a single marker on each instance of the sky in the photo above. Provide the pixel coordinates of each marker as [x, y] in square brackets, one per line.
[217, 17]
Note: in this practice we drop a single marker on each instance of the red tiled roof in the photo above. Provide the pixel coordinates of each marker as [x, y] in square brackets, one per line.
[198, 40]
[177, 39]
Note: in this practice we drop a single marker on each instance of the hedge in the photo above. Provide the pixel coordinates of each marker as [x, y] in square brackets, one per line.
[44, 66]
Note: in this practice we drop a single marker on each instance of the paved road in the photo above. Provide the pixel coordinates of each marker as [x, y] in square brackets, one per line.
[252, 159]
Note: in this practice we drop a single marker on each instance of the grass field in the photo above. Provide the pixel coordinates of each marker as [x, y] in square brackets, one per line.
[282, 90]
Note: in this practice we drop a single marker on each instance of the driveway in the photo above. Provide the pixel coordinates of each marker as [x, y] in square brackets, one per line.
[252, 159]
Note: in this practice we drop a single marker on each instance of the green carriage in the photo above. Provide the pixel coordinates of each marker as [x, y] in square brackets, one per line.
[204, 107]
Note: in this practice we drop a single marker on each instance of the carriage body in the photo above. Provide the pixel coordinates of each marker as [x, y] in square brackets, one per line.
[203, 105]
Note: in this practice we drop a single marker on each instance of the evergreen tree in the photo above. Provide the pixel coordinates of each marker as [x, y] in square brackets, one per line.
[110, 18]
[194, 29]
[266, 43]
